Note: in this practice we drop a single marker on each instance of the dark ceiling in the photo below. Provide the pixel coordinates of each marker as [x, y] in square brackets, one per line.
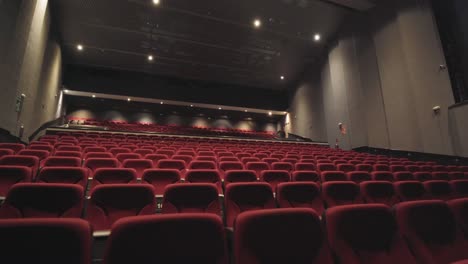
[210, 40]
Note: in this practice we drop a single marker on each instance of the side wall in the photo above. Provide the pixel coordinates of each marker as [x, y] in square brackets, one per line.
[382, 81]
[31, 65]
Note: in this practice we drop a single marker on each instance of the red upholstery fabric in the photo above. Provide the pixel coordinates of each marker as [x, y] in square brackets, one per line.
[31, 162]
[312, 176]
[43, 200]
[160, 178]
[71, 175]
[12, 146]
[10, 175]
[358, 176]
[191, 198]
[300, 194]
[96, 163]
[240, 176]
[366, 234]
[431, 232]
[460, 188]
[121, 157]
[139, 165]
[422, 176]
[52, 241]
[113, 176]
[110, 202]
[258, 167]
[340, 193]
[62, 162]
[411, 191]
[171, 164]
[241, 197]
[202, 165]
[205, 176]
[171, 238]
[275, 177]
[439, 190]
[290, 235]
[403, 176]
[382, 176]
[327, 176]
[379, 192]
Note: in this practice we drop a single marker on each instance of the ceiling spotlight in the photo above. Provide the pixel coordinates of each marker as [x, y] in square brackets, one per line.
[219, 108]
[246, 110]
[94, 96]
[317, 37]
[79, 47]
[65, 91]
[257, 23]
[191, 105]
[270, 113]
[162, 102]
[129, 99]
[282, 77]
[156, 2]
[150, 58]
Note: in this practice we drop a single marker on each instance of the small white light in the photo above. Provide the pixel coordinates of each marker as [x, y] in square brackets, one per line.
[246, 110]
[257, 23]
[65, 91]
[317, 37]
[79, 47]
[162, 102]
[282, 77]
[129, 99]
[191, 105]
[94, 96]
[270, 113]
[219, 108]
[150, 58]
[156, 2]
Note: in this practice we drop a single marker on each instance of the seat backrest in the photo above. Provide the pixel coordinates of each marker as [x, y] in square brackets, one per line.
[226, 166]
[327, 176]
[31, 162]
[116, 151]
[185, 158]
[410, 191]
[13, 146]
[346, 167]
[300, 194]
[70, 175]
[95, 163]
[341, 193]
[160, 239]
[121, 157]
[381, 192]
[110, 202]
[422, 176]
[459, 208]
[439, 190]
[171, 164]
[160, 178]
[311, 176]
[270, 160]
[113, 176]
[460, 188]
[43, 200]
[440, 175]
[358, 176]
[364, 167]
[358, 233]
[10, 175]
[274, 177]
[382, 176]
[381, 167]
[139, 165]
[240, 176]
[40, 154]
[191, 198]
[202, 165]
[62, 162]
[322, 167]
[298, 237]
[431, 231]
[287, 166]
[258, 167]
[246, 160]
[403, 176]
[52, 241]
[241, 197]
[5, 152]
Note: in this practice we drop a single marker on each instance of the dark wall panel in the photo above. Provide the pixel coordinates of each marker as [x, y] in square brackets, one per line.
[145, 85]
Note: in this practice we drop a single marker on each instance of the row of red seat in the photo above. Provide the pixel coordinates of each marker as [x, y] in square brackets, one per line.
[429, 232]
[110, 202]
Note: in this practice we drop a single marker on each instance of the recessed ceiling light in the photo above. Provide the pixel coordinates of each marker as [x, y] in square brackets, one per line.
[191, 105]
[156, 2]
[162, 102]
[129, 99]
[94, 96]
[317, 37]
[257, 23]
[282, 77]
[150, 57]
[246, 110]
[79, 47]
[219, 108]
[270, 113]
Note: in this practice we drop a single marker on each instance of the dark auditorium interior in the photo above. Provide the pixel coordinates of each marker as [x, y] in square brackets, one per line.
[234, 132]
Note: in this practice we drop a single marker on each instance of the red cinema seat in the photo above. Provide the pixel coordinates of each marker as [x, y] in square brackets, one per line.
[366, 234]
[139, 165]
[300, 195]
[121, 157]
[403, 176]
[94, 149]
[202, 165]
[40, 154]
[341, 193]
[274, 236]
[10, 175]
[43, 200]
[321, 167]
[156, 158]
[275, 177]
[116, 151]
[241, 197]
[327, 176]
[73, 154]
[381, 192]
[61, 162]
[430, 230]
[382, 176]
[440, 175]
[459, 208]
[270, 160]
[358, 176]
[185, 158]
[160, 179]
[364, 167]
[70, 175]
[422, 176]
[460, 188]
[69, 148]
[301, 176]
[439, 190]
[171, 164]
[113, 176]
[205, 176]
[258, 167]
[161, 238]
[52, 241]
[111, 202]
[5, 152]
[346, 167]
[285, 166]
[381, 167]
[12, 146]
[411, 191]
[95, 163]
[104, 155]
[31, 162]
[240, 176]
[191, 198]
